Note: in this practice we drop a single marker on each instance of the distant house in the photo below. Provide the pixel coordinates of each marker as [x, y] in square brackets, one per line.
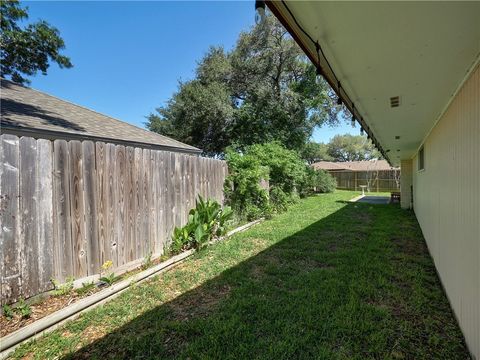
[377, 175]
[28, 112]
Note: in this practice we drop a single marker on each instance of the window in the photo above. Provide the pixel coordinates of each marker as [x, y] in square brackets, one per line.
[421, 159]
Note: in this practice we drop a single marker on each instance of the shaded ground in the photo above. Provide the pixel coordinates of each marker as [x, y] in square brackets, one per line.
[328, 279]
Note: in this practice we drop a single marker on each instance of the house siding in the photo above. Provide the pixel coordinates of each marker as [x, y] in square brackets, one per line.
[447, 204]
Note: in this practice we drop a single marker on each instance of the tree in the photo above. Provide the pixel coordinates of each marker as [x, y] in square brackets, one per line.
[263, 90]
[24, 51]
[313, 152]
[352, 148]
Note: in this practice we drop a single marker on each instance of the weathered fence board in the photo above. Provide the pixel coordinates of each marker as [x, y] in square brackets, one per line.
[120, 217]
[139, 201]
[77, 209]
[28, 212]
[62, 231]
[44, 189]
[10, 244]
[111, 243]
[102, 203]
[146, 202]
[130, 188]
[69, 206]
[91, 225]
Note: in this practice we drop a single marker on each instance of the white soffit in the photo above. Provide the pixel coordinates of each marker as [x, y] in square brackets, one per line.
[419, 51]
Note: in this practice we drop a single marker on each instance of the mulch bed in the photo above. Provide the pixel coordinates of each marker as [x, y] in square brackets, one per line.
[52, 303]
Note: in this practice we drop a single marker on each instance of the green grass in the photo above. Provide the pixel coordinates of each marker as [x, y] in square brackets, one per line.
[326, 280]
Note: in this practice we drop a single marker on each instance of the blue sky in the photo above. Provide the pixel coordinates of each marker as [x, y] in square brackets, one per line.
[129, 56]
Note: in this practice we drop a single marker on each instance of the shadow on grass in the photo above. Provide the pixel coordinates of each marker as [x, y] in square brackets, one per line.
[356, 284]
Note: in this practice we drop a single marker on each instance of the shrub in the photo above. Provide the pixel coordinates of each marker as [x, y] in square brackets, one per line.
[324, 182]
[283, 168]
[205, 221]
[317, 181]
[281, 200]
[242, 185]
[288, 175]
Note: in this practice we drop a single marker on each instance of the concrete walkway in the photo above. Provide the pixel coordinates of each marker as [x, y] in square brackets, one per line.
[383, 200]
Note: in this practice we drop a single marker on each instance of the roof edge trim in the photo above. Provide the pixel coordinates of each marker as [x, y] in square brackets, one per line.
[57, 135]
[274, 6]
[473, 67]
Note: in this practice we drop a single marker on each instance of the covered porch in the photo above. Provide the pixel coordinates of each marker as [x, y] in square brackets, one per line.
[409, 73]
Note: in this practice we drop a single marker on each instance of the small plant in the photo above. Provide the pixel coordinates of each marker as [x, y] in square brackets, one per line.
[8, 312]
[110, 278]
[63, 289]
[147, 261]
[205, 221]
[86, 288]
[24, 309]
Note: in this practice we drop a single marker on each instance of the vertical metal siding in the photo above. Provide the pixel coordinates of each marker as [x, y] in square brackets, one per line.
[447, 205]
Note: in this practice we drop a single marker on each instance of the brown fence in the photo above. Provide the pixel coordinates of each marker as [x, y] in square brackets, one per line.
[376, 181]
[68, 206]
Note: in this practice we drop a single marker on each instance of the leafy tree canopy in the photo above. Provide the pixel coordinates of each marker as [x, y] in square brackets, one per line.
[313, 152]
[262, 90]
[352, 148]
[24, 51]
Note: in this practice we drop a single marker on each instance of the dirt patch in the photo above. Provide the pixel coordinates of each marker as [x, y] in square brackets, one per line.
[257, 272]
[198, 303]
[51, 304]
[397, 309]
[409, 246]
[39, 310]
[308, 264]
[92, 333]
[363, 216]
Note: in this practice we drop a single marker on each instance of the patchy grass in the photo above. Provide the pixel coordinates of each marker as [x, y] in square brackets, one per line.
[328, 280]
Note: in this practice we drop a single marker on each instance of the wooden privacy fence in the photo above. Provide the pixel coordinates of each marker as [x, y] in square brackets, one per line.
[69, 206]
[375, 180]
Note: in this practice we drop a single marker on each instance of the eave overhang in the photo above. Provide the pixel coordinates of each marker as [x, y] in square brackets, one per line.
[421, 52]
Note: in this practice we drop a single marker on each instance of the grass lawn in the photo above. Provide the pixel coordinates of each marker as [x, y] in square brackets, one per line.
[326, 280]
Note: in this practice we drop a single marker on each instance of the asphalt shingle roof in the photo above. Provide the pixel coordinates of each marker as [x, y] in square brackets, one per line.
[26, 109]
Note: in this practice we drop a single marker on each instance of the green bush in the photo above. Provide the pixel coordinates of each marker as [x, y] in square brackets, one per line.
[242, 185]
[317, 181]
[205, 221]
[288, 175]
[324, 182]
[285, 167]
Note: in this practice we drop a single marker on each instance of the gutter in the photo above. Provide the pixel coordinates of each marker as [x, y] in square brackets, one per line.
[275, 7]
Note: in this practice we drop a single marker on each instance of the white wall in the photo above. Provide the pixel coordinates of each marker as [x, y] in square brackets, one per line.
[447, 204]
